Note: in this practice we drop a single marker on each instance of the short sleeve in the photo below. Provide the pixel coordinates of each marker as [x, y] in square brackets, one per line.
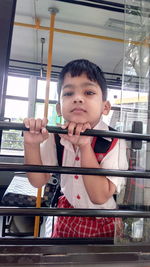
[116, 159]
[48, 151]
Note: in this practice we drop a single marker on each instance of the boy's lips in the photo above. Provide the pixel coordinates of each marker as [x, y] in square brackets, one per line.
[78, 110]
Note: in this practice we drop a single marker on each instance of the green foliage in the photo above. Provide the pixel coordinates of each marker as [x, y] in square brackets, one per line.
[12, 140]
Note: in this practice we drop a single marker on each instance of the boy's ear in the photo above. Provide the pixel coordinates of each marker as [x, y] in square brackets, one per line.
[58, 109]
[107, 108]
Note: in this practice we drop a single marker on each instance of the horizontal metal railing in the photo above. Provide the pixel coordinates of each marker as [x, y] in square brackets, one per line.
[92, 132]
[73, 212]
[74, 170]
[143, 212]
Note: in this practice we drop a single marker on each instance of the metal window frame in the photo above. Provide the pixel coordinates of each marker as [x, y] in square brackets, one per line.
[7, 14]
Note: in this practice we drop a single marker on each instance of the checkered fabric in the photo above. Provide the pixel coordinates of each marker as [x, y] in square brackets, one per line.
[24, 200]
[66, 226]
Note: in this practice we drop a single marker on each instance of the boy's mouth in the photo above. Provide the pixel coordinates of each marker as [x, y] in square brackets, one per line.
[78, 110]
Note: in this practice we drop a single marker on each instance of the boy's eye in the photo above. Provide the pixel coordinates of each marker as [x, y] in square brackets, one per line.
[67, 93]
[89, 92]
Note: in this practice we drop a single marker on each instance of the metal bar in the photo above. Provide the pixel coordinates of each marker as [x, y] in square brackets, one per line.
[119, 5]
[53, 241]
[42, 53]
[57, 66]
[110, 6]
[55, 252]
[53, 129]
[37, 63]
[7, 14]
[64, 246]
[106, 38]
[74, 170]
[106, 7]
[106, 3]
[17, 98]
[17, 211]
[53, 12]
[49, 60]
[27, 25]
[23, 68]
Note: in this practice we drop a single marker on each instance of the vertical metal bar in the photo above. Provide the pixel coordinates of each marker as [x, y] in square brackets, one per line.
[7, 14]
[48, 78]
[42, 49]
[32, 91]
[49, 63]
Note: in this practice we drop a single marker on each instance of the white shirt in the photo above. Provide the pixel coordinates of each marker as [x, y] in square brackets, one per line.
[72, 185]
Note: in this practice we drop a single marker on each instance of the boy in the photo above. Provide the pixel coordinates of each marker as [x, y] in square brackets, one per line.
[82, 95]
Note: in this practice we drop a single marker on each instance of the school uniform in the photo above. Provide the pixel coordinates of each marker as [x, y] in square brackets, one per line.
[73, 189]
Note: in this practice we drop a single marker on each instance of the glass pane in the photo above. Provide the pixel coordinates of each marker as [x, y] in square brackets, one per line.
[135, 116]
[16, 110]
[12, 140]
[129, 103]
[53, 119]
[113, 96]
[17, 86]
[41, 90]
[12, 143]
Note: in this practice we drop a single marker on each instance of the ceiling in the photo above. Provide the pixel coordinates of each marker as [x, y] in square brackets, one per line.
[108, 54]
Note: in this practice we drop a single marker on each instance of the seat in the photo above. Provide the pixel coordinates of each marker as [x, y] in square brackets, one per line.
[21, 193]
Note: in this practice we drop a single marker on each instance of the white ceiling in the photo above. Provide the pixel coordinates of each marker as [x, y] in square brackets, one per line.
[26, 42]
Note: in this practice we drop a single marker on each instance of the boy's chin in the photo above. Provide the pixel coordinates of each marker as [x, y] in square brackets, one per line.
[79, 121]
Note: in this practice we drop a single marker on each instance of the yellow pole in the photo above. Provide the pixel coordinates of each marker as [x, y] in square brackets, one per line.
[49, 61]
[40, 27]
[48, 77]
[106, 38]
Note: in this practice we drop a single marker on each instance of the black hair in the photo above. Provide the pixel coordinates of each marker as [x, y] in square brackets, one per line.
[83, 66]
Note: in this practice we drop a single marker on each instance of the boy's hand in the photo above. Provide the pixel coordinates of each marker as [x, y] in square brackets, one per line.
[74, 130]
[37, 132]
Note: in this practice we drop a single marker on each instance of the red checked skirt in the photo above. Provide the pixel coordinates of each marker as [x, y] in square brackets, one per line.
[66, 226]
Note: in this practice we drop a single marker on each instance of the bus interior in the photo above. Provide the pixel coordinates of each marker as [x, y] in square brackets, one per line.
[39, 37]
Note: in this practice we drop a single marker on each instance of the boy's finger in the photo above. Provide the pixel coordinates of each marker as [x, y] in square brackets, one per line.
[45, 133]
[44, 122]
[44, 130]
[86, 126]
[79, 129]
[32, 125]
[71, 128]
[26, 122]
[38, 125]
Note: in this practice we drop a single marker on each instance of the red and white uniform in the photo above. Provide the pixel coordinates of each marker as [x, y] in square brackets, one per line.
[74, 191]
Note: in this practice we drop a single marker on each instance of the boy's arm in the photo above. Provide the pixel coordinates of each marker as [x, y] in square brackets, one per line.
[99, 188]
[32, 139]
[32, 156]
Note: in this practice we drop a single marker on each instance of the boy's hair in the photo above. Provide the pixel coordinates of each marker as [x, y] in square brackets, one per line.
[83, 66]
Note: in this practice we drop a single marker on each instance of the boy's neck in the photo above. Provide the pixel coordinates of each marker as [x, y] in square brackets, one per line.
[75, 147]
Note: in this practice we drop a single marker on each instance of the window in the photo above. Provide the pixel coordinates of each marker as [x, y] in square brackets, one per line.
[53, 119]
[25, 98]
[16, 109]
[17, 86]
[41, 90]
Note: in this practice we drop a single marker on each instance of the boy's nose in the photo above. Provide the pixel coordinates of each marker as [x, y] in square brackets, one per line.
[78, 99]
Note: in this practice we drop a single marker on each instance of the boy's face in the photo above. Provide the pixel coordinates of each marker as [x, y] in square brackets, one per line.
[81, 100]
